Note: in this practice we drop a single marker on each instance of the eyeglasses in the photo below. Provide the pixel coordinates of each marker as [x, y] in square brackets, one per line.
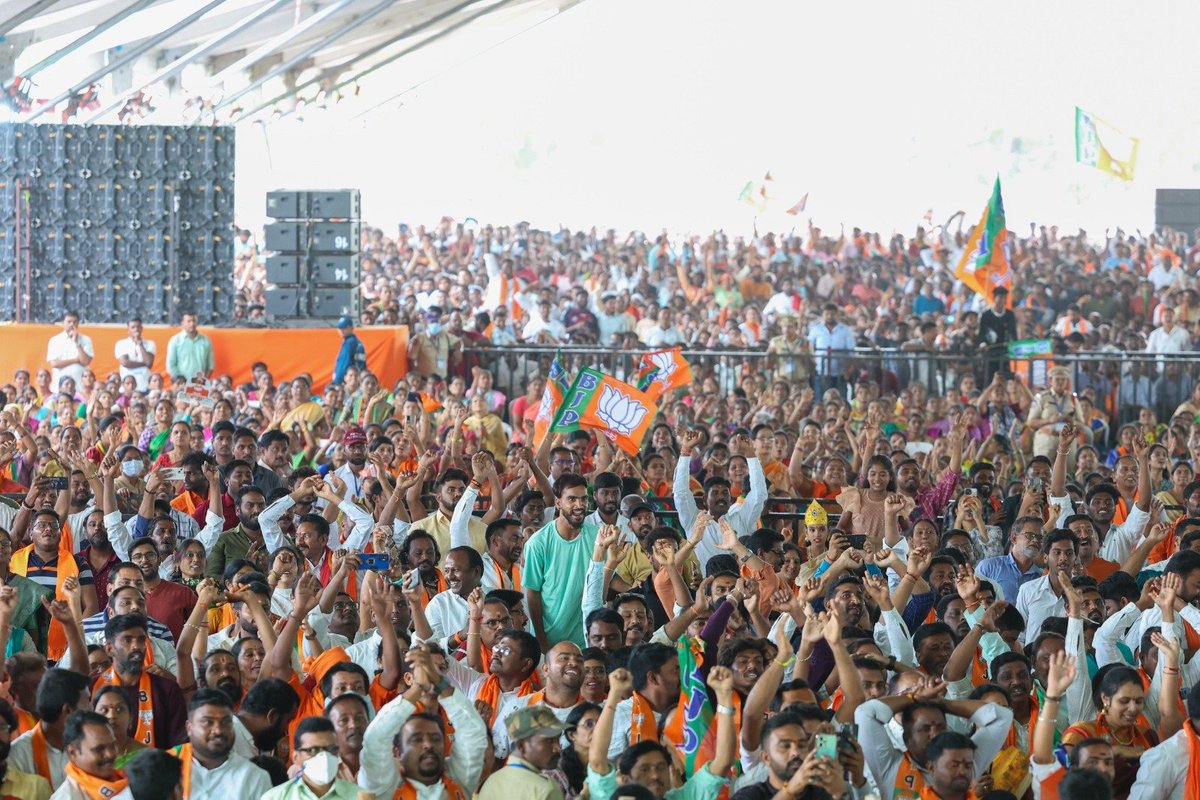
[345, 606]
[501, 650]
[312, 751]
[497, 624]
[45, 525]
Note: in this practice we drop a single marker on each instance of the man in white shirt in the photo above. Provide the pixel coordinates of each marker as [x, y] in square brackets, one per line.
[743, 516]
[1163, 770]
[217, 771]
[1169, 337]
[610, 320]
[447, 611]
[135, 355]
[664, 334]
[1043, 598]
[69, 352]
[65, 692]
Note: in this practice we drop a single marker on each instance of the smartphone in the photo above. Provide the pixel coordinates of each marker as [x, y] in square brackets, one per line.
[172, 473]
[376, 562]
[1035, 484]
[413, 580]
[857, 540]
[827, 745]
[60, 484]
[848, 735]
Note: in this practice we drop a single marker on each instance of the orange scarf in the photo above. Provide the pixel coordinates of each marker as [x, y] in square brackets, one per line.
[504, 581]
[41, 753]
[97, 788]
[25, 721]
[539, 698]
[1099, 727]
[441, 587]
[910, 783]
[927, 793]
[1146, 688]
[409, 792]
[56, 643]
[643, 721]
[1191, 786]
[145, 709]
[326, 573]
[1012, 740]
[490, 692]
[184, 753]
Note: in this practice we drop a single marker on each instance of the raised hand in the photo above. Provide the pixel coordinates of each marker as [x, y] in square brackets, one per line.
[307, 592]
[720, 680]
[988, 621]
[699, 526]
[60, 610]
[1168, 592]
[9, 599]
[967, 583]
[893, 504]
[1071, 594]
[876, 587]
[833, 627]
[620, 684]
[1066, 436]
[1061, 673]
[475, 602]
[919, 559]
[1168, 649]
[729, 538]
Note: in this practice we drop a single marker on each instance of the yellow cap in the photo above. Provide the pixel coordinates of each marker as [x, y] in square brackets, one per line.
[815, 514]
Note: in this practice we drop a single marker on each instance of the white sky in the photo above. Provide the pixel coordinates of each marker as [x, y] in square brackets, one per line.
[654, 113]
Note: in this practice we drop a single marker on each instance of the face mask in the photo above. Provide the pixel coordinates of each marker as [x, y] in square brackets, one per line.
[131, 469]
[435, 328]
[322, 768]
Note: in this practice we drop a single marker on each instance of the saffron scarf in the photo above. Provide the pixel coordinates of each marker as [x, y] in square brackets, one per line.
[539, 698]
[56, 643]
[94, 787]
[184, 753]
[1191, 785]
[409, 792]
[145, 709]
[441, 587]
[504, 581]
[910, 783]
[41, 753]
[1099, 727]
[326, 573]
[25, 721]
[490, 692]
[927, 793]
[643, 721]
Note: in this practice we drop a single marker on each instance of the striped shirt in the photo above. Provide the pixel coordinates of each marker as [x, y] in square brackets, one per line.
[96, 622]
[45, 573]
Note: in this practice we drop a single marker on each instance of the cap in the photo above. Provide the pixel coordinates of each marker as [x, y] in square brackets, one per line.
[636, 507]
[533, 721]
[1059, 372]
[815, 514]
[345, 322]
[355, 435]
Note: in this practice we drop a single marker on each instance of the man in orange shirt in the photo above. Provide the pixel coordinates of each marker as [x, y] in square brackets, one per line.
[195, 485]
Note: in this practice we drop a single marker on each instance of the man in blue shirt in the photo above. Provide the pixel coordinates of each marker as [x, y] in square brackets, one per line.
[353, 352]
[828, 336]
[1019, 567]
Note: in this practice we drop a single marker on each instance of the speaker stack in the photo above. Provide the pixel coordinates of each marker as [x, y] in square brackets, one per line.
[313, 272]
[1177, 210]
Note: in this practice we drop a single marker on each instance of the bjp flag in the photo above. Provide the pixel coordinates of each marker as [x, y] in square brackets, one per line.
[985, 262]
[662, 371]
[552, 399]
[603, 403]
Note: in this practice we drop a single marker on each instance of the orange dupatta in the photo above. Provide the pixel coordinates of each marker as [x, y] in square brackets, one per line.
[145, 709]
[504, 581]
[441, 587]
[408, 792]
[910, 783]
[41, 753]
[1098, 727]
[927, 793]
[1191, 785]
[490, 692]
[56, 643]
[94, 787]
[184, 753]
[25, 721]
[643, 721]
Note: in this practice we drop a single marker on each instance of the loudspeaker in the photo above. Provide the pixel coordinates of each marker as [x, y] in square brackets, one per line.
[341, 204]
[286, 204]
[285, 237]
[334, 237]
[334, 270]
[334, 302]
[1177, 209]
[284, 269]
[284, 301]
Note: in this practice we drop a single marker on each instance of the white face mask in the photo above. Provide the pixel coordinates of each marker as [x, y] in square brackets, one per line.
[131, 469]
[322, 768]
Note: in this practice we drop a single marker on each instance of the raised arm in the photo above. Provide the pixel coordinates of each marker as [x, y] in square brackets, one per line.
[620, 687]
[720, 679]
[278, 663]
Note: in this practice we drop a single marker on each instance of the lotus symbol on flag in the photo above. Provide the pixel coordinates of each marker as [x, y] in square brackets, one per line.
[664, 362]
[619, 412]
[544, 409]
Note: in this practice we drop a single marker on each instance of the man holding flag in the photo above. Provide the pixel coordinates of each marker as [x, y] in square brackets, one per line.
[985, 263]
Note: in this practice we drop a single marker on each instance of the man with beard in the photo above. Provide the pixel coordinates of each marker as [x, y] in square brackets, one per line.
[1019, 567]
[605, 630]
[638, 564]
[510, 680]
[940, 575]
[128, 599]
[717, 499]
[1118, 537]
[91, 772]
[786, 742]
[195, 483]
[210, 767]
[535, 733]
[557, 559]
[158, 721]
[13, 782]
[220, 670]
[933, 500]
[42, 751]
[634, 611]
[263, 718]
[310, 530]
[40, 562]
[1088, 544]
[448, 491]
[417, 740]
[171, 603]
[446, 612]
[933, 643]
[563, 673]
[951, 767]
[747, 660]
[236, 542]
[420, 551]
[350, 714]
[1043, 598]
[354, 472]
[98, 553]
[923, 715]
[503, 555]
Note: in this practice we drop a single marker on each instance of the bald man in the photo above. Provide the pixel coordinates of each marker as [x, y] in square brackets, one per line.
[562, 672]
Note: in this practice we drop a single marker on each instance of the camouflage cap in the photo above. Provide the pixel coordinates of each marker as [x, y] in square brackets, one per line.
[533, 721]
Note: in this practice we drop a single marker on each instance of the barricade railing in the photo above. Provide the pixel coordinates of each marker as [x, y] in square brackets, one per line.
[1121, 382]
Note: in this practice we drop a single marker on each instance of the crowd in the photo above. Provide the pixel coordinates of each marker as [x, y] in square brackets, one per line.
[812, 584]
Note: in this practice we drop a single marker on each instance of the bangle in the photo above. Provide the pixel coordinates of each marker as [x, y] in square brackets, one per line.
[726, 710]
[784, 664]
[613, 706]
[473, 633]
[914, 577]
[476, 619]
[199, 627]
[1052, 698]
[1043, 718]
[26, 506]
[1170, 671]
[805, 659]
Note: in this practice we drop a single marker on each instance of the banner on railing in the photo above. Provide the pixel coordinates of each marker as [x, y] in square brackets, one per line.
[1030, 348]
